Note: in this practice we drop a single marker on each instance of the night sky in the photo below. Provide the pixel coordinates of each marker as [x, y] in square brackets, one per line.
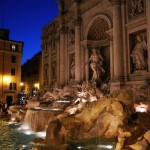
[25, 19]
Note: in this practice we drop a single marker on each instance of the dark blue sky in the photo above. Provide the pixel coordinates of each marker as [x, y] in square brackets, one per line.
[25, 19]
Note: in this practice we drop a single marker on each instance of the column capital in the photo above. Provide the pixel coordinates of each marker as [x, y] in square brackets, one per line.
[63, 30]
[78, 21]
[77, 1]
[85, 47]
[110, 37]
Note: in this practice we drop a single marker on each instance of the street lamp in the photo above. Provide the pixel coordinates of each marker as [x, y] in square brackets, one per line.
[36, 88]
[6, 79]
[21, 85]
[37, 85]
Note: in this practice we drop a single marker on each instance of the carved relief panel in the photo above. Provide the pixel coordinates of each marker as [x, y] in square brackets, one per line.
[135, 8]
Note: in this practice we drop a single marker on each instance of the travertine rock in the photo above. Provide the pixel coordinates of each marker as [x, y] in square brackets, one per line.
[147, 136]
[140, 145]
[101, 118]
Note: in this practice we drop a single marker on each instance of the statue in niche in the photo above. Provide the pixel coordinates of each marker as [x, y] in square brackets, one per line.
[72, 68]
[96, 64]
[136, 7]
[71, 36]
[53, 66]
[139, 53]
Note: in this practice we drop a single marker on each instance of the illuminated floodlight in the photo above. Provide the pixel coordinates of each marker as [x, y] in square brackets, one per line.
[6, 79]
[105, 146]
[28, 132]
[141, 108]
[61, 101]
[79, 147]
[25, 127]
[23, 146]
[13, 119]
[41, 134]
[21, 83]
[11, 122]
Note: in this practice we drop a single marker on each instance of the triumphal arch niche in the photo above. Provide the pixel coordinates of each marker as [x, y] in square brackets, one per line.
[97, 53]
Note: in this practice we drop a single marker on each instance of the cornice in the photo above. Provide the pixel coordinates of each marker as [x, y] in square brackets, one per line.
[63, 30]
[88, 5]
[139, 22]
[117, 2]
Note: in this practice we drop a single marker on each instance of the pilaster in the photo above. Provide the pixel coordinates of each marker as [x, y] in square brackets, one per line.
[78, 50]
[148, 31]
[62, 55]
[118, 41]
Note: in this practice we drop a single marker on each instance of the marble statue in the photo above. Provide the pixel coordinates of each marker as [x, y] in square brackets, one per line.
[96, 62]
[138, 54]
[72, 68]
[71, 36]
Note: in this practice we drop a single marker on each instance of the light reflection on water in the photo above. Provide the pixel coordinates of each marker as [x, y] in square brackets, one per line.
[12, 139]
[94, 144]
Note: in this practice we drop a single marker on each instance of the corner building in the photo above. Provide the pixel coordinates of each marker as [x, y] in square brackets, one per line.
[110, 26]
[10, 67]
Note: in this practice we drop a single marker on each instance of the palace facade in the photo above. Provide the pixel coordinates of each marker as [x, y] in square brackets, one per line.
[118, 29]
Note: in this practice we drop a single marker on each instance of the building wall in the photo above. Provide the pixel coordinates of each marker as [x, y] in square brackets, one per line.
[31, 75]
[110, 26]
[6, 64]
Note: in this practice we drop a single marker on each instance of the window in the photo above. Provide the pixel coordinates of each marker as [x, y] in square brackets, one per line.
[13, 86]
[14, 47]
[13, 71]
[13, 59]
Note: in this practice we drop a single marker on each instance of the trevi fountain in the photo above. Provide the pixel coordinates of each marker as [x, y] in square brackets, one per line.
[83, 117]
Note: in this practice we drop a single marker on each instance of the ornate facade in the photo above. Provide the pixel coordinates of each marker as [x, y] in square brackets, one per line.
[118, 29]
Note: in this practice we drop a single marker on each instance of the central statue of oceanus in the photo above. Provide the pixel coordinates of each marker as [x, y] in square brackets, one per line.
[96, 63]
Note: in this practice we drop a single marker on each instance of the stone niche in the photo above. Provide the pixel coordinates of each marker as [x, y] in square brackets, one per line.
[138, 52]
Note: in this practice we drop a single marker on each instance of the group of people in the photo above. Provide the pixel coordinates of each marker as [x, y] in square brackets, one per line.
[3, 108]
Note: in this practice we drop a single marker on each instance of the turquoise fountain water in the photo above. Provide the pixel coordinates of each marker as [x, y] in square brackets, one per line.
[13, 138]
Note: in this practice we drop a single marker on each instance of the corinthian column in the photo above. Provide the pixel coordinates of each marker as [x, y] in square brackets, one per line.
[78, 65]
[148, 31]
[87, 65]
[62, 56]
[117, 41]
